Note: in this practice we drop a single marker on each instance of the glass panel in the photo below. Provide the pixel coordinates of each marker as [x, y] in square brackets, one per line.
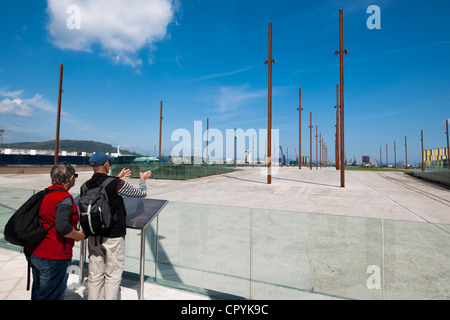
[437, 171]
[133, 252]
[170, 171]
[233, 252]
[313, 256]
[417, 256]
[10, 200]
[14, 197]
[205, 247]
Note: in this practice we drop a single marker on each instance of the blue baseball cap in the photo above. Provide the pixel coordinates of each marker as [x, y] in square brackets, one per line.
[99, 159]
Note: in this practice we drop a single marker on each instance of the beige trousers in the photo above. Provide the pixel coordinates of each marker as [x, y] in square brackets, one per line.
[106, 262]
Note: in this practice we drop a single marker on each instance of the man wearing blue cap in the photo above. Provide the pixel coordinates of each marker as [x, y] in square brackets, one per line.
[107, 252]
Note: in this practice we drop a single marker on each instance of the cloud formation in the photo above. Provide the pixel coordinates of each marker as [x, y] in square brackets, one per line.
[14, 104]
[15, 107]
[119, 27]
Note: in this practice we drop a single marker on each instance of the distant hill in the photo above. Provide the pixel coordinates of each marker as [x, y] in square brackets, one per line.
[68, 145]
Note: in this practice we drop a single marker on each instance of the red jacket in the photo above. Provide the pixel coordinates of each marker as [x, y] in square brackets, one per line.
[52, 247]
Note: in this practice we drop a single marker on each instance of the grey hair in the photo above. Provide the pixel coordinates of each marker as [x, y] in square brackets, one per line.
[61, 173]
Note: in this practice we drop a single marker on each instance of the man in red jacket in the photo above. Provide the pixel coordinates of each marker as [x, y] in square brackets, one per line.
[51, 258]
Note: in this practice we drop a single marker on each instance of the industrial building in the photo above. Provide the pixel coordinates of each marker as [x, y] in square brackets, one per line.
[435, 157]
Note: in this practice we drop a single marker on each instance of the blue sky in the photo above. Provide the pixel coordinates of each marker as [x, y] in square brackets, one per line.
[205, 59]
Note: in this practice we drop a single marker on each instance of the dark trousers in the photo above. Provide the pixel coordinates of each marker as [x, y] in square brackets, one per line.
[49, 278]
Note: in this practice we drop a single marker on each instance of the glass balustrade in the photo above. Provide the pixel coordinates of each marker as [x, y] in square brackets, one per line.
[246, 253]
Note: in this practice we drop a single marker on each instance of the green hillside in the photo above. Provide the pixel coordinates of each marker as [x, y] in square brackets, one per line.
[68, 145]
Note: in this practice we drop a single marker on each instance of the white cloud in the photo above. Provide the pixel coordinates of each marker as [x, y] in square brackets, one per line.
[10, 94]
[120, 27]
[24, 106]
[39, 102]
[15, 107]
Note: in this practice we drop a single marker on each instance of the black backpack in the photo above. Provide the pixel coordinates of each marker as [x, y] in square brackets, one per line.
[95, 212]
[24, 228]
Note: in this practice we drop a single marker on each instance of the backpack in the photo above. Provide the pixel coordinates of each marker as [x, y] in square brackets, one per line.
[24, 228]
[95, 212]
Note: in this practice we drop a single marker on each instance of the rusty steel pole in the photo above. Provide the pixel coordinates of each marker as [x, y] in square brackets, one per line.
[387, 160]
[299, 128]
[395, 157]
[381, 163]
[207, 137]
[341, 71]
[235, 160]
[320, 150]
[421, 140]
[310, 140]
[316, 150]
[269, 61]
[160, 131]
[337, 129]
[322, 160]
[58, 119]
[448, 148]
[406, 154]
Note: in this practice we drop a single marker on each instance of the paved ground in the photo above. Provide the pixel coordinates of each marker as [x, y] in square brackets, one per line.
[13, 282]
[386, 195]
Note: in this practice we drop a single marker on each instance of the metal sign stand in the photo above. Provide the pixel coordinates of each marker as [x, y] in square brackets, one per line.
[140, 214]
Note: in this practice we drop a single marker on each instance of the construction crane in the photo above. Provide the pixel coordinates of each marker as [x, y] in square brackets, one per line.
[283, 158]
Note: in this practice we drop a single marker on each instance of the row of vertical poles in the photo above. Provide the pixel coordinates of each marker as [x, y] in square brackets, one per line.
[395, 155]
[323, 147]
[422, 151]
[269, 126]
[58, 118]
[339, 145]
[339, 150]
[339, 110]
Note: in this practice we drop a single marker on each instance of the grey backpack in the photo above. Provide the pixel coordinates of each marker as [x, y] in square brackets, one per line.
[95, 212]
